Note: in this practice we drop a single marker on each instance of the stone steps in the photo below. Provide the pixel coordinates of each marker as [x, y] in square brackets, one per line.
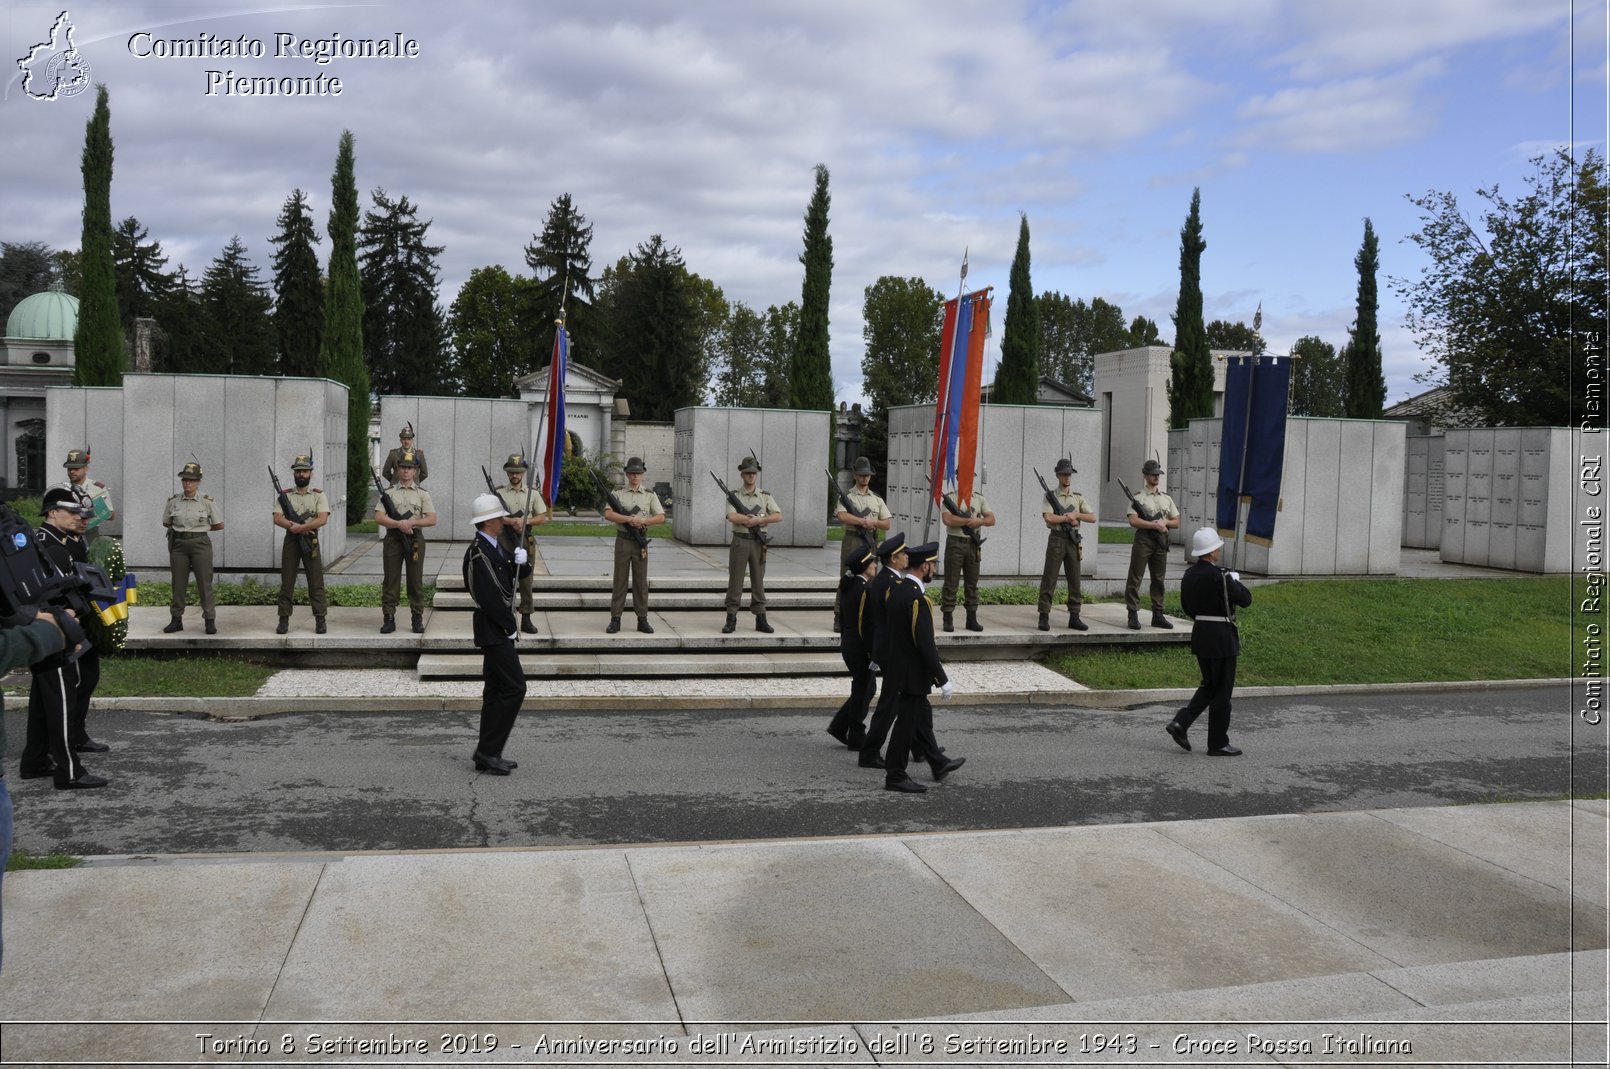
[543, 665]
[548, 600]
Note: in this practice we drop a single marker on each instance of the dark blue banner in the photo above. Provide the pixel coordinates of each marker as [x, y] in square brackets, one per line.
[1255, 399]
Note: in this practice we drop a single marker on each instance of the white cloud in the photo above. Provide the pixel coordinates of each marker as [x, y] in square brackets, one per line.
[1356, 115]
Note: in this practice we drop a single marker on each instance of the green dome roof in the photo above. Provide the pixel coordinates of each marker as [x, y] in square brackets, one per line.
[52, 315]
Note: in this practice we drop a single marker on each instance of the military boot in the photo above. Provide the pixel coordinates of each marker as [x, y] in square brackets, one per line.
[972, 621]
[1134, 619]
[1045, 621]
[319, 626]
[175, 624]
[949, 623]
[1075, 623]
[761, 625]
[419, 623]
[526, 625]
[388, 623]
[731, 625]
[1159, 620]
[285, 625]
[614, 625]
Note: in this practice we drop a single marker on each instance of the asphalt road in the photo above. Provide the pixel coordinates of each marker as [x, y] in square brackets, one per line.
[351, 782]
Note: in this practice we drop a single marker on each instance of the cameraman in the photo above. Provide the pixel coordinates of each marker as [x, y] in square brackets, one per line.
[59, 698]
[20, 645]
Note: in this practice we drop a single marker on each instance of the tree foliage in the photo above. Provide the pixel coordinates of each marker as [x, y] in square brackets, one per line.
[404, 337]
[1237, 337]
[26, 268]
[1017, 378]
[753, 354]
[1316, 379]
[1365, 387]
[1190, 384]
[1073, 332]
[1506, 306]
[180, 342]
[810, 374]
[341, 348]
[1143, 331]
[561, 269]
[649, 307]
[298, 288]
[903, 319]
[138, 266]
[237, 332]
[491, 347]
[98, 345]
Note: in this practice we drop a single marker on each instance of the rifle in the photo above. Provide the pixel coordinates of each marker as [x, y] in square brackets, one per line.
[737, 506]
[955, 509]
[1056, 506]
[491, 488]
[860, 514]
[29, 584]
[389, 507]
[304, 539]
[1142, 512]
[639, 535]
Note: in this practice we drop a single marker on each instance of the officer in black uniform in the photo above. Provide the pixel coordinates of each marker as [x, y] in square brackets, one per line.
[490, 574]
[913, 666]
[849, 723]
[1209, 595]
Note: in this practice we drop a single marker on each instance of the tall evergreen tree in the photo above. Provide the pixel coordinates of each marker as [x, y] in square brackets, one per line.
[810, 374]
[239, 332]
[341, 348]
[26, 268]
[1017, 379]
[138, 264]
[1366, 386]
[655, 330]
[1316, 379]
[404, 337]
[298, 288]
[561, 268]
[181, 327]
[1190, 384]
[491, 347]
[98, 345]
[1143, 331]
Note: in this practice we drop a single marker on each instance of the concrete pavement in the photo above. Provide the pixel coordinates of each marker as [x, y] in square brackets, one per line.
[1471, 934]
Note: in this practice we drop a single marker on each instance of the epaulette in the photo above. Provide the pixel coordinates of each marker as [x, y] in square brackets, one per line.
[316, 490]
[100, 484]
[206, 497]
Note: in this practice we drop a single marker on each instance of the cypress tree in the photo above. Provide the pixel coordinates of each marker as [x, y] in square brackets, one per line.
[1190, 386]
[1366, 386]
[341, 349]
[1017, 380]
[810, 373]
[238, 336]
[298, 288]
[98, 344]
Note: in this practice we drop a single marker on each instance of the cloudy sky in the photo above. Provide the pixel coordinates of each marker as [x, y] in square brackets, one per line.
[940, 123]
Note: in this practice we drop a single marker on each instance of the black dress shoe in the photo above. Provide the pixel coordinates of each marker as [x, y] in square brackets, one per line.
[90, 746]
[212, 627]
[512, 764]
[841, 734]
[644, 626]
[36, 773]
[945, 766]
[486, 763]
[1176, 731]
[83, 783]
[318, 626]
[905, 786]
[174, 624]
[855, 739]
[870, 761]
[1225, 751]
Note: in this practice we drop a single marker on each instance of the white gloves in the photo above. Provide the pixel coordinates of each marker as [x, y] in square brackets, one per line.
[874, 666]
[1236, 576]
[947, 690]
[519, 555]
[514, 636]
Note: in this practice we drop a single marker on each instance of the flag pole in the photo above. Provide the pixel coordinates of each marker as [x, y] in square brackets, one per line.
[936, 484]
[1246, 439]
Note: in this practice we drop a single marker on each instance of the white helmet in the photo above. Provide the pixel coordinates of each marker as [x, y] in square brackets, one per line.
[1205, 541]
[487, 507]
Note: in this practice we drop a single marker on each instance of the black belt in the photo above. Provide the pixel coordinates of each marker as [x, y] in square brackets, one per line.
[192, 534]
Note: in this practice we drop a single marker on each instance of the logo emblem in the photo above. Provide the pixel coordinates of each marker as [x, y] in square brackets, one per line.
[19, 540]
[54, 69]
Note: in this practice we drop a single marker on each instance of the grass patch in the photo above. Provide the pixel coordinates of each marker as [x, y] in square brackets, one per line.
[190, 676]
[22, 861]
[253, 591]
[1368, 631]
[363, 527]
[1117, 536]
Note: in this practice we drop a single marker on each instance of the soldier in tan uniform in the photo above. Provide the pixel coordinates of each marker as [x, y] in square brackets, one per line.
[629, 557]
[309, 501]
[1150, 550]
[860, 532]
[405, 441]
[405, 539]
[1062, 553]
[191, 517]
[515, 497]
[746, 550]
[96, 496]
[961, 559]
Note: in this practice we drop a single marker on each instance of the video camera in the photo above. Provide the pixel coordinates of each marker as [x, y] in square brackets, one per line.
[29, 585]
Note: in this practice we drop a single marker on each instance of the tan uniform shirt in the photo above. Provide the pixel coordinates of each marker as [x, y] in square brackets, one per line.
[411, 499]
[309, 502]
[388, 471]
[1071, 501]
[514, 501]
[868, 500]
[750, 500]
[980, 508]
[191, 515]
[1159, 504]
[645, 499]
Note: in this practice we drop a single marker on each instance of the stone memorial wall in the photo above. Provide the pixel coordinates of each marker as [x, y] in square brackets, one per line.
[793, 450]
[458, 435]
[1509, 497]
[1423, 489]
